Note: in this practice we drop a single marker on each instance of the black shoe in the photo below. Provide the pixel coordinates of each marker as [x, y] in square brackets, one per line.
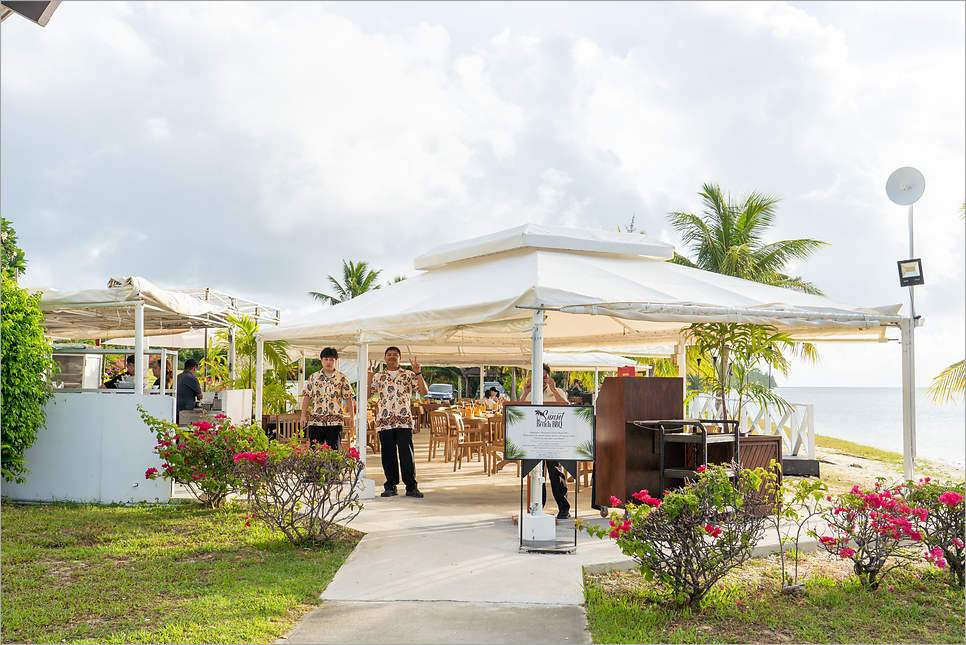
[563, 515]
[389, 493]
[414, 493]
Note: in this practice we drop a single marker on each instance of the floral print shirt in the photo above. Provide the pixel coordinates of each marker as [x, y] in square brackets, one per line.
[326, 393]
[395, 397]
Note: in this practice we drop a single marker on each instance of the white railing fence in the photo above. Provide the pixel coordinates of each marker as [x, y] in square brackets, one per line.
[796, 425]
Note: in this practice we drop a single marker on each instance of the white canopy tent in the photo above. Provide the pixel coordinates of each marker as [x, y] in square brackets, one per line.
[504, 297]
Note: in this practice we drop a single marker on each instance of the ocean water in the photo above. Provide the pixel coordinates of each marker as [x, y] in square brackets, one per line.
[872, 416]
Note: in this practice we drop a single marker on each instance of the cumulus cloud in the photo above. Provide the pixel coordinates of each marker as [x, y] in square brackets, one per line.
[253, 146]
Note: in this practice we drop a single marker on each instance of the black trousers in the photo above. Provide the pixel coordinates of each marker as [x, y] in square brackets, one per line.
[329, 435]
[558, 485]
[398, 441]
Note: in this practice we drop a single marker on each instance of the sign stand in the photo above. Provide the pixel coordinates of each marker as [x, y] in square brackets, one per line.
[536, 434]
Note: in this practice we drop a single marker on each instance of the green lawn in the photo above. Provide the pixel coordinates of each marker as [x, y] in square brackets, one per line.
[154, 574]
[912, 606]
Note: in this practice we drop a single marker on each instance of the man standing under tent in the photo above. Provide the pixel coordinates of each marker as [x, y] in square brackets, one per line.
[327, 390]
[394, 419]
[555, 472]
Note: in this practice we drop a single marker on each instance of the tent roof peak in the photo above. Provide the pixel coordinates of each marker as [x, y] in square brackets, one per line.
[540, 236]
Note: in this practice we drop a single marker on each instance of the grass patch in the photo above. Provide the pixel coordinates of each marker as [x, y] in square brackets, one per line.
[172, 573]
[914, 605]
[858, 450]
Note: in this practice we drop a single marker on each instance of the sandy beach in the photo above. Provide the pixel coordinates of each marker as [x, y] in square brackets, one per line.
[841, 470]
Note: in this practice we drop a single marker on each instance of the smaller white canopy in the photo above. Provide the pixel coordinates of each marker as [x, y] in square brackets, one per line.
[109, 313]
[192, 339]
[585, 361]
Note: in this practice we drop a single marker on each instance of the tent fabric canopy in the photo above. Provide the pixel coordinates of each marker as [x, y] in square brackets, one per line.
[476, 307]
[109, 313]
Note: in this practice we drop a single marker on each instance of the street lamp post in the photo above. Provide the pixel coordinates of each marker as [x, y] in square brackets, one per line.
[904, 187]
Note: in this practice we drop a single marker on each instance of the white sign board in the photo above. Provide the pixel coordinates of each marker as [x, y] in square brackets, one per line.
[556, 432]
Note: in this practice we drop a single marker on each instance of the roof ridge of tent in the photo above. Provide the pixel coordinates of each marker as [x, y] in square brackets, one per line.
[544, 237]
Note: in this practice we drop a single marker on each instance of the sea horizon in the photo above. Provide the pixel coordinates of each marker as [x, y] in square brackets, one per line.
[872, 416]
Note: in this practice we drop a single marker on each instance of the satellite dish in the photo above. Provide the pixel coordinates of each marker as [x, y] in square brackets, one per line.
[905, 186]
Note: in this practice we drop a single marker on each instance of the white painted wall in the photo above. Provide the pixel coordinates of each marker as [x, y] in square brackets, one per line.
[96, 449]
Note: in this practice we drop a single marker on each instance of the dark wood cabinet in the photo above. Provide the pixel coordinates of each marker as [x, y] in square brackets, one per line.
[627, 456]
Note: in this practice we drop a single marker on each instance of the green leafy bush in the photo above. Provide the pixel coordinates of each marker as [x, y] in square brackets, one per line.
[872, 528]
[308, 493]
[696, 534]
[27, 370]
[943, 527]
[200, 457]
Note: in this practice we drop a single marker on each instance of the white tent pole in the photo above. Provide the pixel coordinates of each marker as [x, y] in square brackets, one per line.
[362, 402]
[139, 348]
[513, 395]
[682, 357]
[301, 373]
[596, 381]
[536, 397]
[259, 379]
[908, 399]
[164, 370]
[482, 376]
[231, 352]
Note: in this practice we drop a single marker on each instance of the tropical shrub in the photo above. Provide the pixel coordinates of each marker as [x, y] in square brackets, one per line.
[873, 529]
[696, 535]
[943, 527]
[27, 371]
[308, 493]
[791, 517]
[200, 457]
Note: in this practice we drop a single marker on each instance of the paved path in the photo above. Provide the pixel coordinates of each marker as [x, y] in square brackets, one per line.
[448, 569]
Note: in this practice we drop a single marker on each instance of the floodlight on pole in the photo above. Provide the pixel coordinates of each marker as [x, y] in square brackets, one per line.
[904, 187]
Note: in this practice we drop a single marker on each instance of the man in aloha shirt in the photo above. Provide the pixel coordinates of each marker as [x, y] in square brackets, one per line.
[327, 390]
[394, 419]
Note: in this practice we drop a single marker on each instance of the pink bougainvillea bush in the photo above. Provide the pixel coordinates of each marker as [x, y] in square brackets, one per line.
[876, 529]
[309, 493]
[943, 529]
[200, 457]
[696, 534]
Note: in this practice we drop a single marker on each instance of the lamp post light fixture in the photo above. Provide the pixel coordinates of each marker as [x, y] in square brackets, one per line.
[904, 187]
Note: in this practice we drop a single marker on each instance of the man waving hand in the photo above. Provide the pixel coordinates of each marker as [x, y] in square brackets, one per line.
[394, 419]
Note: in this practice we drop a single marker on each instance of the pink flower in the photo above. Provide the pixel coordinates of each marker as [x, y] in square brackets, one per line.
[827, 540]
[353, 453]
[846, 552]
[891, 588]
[614, 501]
[150, 473]
[950, 499]
[614, 533]
[957, 542]
[640, 495]
[702, 468]
[221, 416]
[713, 531]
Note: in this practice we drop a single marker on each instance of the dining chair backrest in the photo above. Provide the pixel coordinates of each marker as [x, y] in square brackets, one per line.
[438, 423]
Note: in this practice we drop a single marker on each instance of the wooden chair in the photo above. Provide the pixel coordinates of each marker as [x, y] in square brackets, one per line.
[288, 426]
[439, 434]
[372, 435]
[466, 442]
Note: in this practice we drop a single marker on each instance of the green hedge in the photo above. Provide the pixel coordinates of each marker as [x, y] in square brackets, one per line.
[27, 367]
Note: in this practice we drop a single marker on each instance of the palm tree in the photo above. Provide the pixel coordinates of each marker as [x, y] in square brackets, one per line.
[357, 279]
[727, 239]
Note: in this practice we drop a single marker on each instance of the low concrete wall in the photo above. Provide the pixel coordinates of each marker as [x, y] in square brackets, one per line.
[96, 449]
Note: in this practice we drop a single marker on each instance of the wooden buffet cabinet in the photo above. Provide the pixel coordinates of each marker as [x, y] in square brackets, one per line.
[628, 456]
[627, 460]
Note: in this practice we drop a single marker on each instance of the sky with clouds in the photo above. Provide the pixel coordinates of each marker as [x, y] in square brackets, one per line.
[252, 147]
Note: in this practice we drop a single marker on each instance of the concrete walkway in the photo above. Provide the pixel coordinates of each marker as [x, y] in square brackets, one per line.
[448, 569]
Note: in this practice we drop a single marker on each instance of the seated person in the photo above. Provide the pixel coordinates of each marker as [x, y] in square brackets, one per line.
[576, 388]
[168, 374]
[111, 384]
[189, 389]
